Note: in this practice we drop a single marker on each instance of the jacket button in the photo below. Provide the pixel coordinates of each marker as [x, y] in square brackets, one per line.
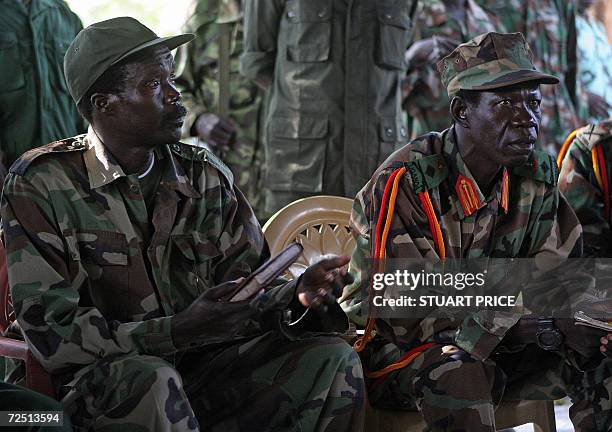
[388, 16]
[291, 14]
[323, 13]
[134, 188]
[403, 131]
[389, 131]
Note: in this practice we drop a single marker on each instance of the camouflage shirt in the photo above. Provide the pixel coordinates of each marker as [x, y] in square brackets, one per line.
[578, 183]
[84, 281]
[536, 220]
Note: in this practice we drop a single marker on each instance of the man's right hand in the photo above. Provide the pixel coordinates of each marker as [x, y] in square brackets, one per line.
[218, 132]
[606, 345]
[582, 339]
[210, 316]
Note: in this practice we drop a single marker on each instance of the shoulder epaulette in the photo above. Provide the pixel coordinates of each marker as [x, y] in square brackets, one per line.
[202, 154]
[427, 172]
[541, 167]
[73, 144]
[591, 135]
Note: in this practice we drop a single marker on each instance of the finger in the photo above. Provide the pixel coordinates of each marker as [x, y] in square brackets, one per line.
[328, 264]
[604, 340]
[222, 290]
[326, 296]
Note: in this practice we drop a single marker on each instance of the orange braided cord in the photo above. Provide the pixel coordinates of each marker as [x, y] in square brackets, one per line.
[367, 336]
[390, 210]
[401, 363]
[563, 151]
[603, 173]
[434, 225]
[595, 162]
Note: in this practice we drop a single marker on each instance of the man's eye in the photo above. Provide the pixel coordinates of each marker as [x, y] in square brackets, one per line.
[153, 84]
[505, 102]
[535, 103]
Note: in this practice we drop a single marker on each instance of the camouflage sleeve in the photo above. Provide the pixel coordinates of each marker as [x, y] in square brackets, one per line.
[191, 66]
[578, 184]
[261, 25]
[554, 234]
[45, 283]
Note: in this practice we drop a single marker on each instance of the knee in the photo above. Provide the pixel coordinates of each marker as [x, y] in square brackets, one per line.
[152, 376]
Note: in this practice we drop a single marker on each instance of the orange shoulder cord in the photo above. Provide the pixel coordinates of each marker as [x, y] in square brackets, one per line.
[563, 151]
[380, 243]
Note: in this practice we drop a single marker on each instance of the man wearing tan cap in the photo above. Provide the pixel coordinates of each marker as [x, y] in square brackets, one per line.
[124, 247]
[477, 190]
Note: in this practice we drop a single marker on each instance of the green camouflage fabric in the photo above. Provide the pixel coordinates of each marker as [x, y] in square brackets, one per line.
[335, 69]
[549, 28]
[198, 81]
[459, 389]
[490, 61]
[426, 100]
[94, 288]
[35, 106]
[578, 183]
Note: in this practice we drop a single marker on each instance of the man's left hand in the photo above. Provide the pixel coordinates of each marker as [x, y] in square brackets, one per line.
[606, 345]
[323, 282]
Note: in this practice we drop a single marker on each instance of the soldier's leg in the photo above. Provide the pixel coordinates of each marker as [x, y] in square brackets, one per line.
[133, 392]
[452, 390]
[14, 398]
[272, 384]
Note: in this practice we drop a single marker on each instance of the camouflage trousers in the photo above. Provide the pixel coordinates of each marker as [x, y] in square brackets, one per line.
[260, 384]
[456, 392]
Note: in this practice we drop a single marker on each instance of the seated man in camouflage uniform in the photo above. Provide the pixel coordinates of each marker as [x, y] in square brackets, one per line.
[490, 195]
[122, 245]
[581, 183]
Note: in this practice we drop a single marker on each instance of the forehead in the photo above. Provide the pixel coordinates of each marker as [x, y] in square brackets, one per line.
[153, 60]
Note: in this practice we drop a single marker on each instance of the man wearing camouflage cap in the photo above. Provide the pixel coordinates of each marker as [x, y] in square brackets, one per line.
[123, 247]
[478, 189]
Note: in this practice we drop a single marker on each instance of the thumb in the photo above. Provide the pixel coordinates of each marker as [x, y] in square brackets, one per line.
[222, 290]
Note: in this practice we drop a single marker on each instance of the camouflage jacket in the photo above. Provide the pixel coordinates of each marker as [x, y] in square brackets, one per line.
[86, 285]
[538, 220]
[426, 100]
[549, 28]
[335, 102]
[578, 183]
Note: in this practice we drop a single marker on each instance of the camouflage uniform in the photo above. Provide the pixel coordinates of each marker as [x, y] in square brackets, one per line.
[578, 183]
[198, 81]
[426, 101]
[523, 217]
[335, 68]
[549, 27]
[96, 275]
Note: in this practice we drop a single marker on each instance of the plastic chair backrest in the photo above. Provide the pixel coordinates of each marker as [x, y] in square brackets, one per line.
[319, 223]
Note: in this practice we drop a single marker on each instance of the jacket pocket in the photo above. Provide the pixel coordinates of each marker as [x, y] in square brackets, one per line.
[308, 24]
[11, 70]
[296, 153]
[193, 262]
[394, 26]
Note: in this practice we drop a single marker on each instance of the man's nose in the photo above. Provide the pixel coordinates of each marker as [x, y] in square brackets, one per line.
[172, 94]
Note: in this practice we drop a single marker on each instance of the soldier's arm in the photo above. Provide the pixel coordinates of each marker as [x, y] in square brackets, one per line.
[578, 184]
[261, 26]
[45, 280]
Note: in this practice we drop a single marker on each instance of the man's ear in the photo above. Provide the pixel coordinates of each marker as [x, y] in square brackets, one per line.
[459, 111]
[104, 103]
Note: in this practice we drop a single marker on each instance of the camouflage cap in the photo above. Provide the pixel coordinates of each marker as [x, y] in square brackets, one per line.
[105, 43]
[489, 61]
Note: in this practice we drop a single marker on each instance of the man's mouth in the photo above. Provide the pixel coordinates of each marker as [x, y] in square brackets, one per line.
[176, 118]
[523, 146]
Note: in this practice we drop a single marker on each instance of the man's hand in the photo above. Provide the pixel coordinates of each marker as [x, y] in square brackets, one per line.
[323, 282]
[208, 315]
[598, 107]
[428, 51]
[582, 339]
[606, 345]
[217, 131]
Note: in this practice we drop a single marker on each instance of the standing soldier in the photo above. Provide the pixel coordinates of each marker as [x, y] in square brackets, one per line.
[35, 106]
[334, 69]
[550, 29]
[225, 108]
[441, 26]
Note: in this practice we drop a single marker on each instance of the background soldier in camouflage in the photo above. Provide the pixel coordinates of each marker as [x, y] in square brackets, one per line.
[550, 29]
[236, 137]
[334, 70]
[511, 208]
[441, 25]
[122, 246]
